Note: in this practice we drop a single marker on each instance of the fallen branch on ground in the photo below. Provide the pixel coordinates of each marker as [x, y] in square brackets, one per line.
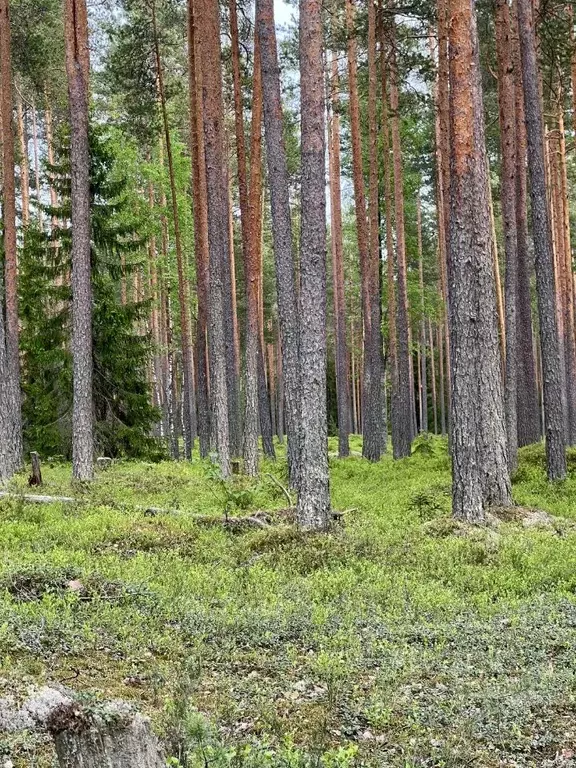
[232, 522]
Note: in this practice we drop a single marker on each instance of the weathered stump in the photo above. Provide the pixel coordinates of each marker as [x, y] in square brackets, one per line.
[114, 736]
[103, 462]
[36, 476]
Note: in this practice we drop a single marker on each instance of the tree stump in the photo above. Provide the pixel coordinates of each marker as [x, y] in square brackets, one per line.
[113, 736]
[103, 462]
[36, 476]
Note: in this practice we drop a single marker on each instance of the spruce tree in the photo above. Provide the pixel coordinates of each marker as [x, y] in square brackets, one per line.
[123, 414]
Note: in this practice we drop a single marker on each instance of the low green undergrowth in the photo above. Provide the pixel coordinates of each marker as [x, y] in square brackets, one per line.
[398, 640]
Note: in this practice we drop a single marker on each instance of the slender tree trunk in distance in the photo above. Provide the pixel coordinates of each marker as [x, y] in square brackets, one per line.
[218, 230]
[342, 380]
[433, 373]
[199, 202]
[443, 150]
[170, 377]
[507, 116]
[281, 231]
[255, 223]
[231, 334]
[255, 220]
[279, 410]
[403, 396]
[479, 457]
[423, 351]
[272, 383]
[189, 414]
[355, 427]
[50, 155]
[371, 439]
[388, 207]
[250, 204]
[24, 162]
[567, 281]
[549, 342]
[37, 167]
[552, 184]
[528, 410]
[375, 437]
[267, 413]
[154, 313]
[497, 279]
[78, 68]
[313, 510]
[441, 367]
[171, 394]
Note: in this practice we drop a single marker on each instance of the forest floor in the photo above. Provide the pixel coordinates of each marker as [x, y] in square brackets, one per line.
[401, 639]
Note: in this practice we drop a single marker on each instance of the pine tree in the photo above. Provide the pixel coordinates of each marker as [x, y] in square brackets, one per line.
[479, 456]
[78, 69]
[218, 223]
[314, 491]
[549, 340]
[507, 115]
[10, 397]
[281, 230]
[342, 354]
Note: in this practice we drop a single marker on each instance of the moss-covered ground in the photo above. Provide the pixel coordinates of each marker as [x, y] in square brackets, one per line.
[398, 640]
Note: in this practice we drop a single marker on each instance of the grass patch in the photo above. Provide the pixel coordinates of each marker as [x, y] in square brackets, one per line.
[403, 639]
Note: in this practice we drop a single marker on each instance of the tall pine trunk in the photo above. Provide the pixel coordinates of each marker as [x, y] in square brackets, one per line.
[189, 412]
[423, 332]
[542, 233]
[402, 394]
[371, 410]
[255, 228]
[218, 229]
[567, 279]
[443, 199]
[10, 398]
[199, 202]
[375, 433]
[313, 511]
[528, 411]
[281, 230]
[250, 205]
[24, 162]
[231, 334]
[479, 456]
[342, 356]
[507, 117]
[388, 206]
[78, 68]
